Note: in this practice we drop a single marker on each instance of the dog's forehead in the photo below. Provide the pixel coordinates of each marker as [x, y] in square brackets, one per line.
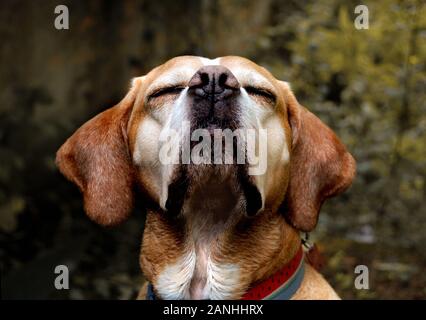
[246, 71]
[179, 70]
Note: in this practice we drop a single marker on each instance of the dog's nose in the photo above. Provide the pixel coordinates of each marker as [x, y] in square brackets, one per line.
[213, 82]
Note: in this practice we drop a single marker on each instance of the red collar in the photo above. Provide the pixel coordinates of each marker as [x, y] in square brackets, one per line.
[282, 284]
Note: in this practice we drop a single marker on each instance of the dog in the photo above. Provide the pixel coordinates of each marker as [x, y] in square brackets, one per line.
[213, 230]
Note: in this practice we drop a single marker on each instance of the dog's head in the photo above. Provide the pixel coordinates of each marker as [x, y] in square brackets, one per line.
[193, 129]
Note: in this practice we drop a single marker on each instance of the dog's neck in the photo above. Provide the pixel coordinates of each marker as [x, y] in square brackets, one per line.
[213, 208]
[213, 251]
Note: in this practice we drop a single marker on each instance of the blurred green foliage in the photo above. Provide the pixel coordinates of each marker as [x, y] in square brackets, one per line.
[368, 85]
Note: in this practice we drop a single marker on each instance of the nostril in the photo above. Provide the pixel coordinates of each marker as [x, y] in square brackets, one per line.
[222, 79]
[204, 79]
[215, 81]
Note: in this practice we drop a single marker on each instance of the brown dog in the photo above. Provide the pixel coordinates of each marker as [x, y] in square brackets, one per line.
[214, 230]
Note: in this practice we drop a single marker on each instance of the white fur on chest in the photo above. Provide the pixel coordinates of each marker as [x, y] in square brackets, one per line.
[197, 276]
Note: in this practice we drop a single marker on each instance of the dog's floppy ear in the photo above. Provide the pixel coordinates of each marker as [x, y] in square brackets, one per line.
[96, 158]
[320, 165]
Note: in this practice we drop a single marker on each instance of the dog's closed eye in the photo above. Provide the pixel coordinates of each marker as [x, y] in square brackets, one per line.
[260, 92]
[172, 90]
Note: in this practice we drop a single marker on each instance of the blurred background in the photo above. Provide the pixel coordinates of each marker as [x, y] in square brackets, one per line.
[368, 85]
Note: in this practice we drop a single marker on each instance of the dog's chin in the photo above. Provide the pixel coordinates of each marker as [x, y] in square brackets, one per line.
[215, 192]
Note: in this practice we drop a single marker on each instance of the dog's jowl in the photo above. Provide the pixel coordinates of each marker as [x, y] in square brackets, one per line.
[226, 207]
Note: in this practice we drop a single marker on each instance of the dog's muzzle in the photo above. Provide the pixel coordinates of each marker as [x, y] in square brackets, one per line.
[213, 104]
